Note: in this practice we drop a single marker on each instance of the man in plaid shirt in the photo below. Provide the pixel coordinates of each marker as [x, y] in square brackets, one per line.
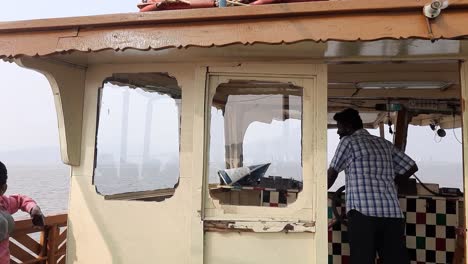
[373, 168]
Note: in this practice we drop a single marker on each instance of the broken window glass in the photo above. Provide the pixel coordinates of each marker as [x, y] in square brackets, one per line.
[256, 144]
[137, 143]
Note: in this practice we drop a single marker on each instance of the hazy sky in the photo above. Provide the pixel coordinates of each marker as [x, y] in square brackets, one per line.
[11, 10]
[26, 103]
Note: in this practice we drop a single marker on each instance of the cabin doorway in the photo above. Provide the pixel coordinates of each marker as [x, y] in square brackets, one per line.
[263, 163]
[417, 106]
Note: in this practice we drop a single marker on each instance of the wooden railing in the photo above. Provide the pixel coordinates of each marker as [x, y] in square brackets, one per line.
[29, 245]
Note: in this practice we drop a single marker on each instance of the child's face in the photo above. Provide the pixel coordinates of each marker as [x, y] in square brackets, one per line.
[3, 189]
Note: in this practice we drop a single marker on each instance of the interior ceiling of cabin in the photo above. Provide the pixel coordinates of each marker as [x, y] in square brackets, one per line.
[386, 49]
[345, 77]
[438, 105]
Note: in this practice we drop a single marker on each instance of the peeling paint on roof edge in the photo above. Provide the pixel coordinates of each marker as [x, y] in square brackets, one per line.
[393, 24]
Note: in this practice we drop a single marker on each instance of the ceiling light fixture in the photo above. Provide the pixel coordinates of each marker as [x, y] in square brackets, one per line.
[404, 85]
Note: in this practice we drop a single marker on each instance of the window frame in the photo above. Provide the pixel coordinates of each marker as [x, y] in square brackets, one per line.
[304, 209]
[153, 195]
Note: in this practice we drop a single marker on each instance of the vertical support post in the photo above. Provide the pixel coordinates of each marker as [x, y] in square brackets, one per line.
[401, 129]
[382, 130]
[464, 97]
[52, 244]
[43, 241]
[317, 109]
[198, 159]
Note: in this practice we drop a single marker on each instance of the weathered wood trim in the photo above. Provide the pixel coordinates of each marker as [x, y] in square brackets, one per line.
[397, 22]
[159, 194]
[259, 226]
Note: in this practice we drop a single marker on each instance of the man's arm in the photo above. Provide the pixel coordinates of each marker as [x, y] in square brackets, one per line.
[402, 179]
[339, 161]
[404, 167]
[20, 202]
[26, 204]
[332, 175]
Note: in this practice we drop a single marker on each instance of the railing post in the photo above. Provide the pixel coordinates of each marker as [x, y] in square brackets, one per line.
[45, 251]
[43, 241]
[52, 246]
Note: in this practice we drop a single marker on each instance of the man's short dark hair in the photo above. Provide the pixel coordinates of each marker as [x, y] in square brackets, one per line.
[349, 116]
[3, 174]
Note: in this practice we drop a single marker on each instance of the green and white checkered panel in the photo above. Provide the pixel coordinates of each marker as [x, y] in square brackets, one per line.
[430, 231]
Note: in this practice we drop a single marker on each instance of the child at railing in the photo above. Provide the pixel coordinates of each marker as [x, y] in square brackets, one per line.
[10, 204]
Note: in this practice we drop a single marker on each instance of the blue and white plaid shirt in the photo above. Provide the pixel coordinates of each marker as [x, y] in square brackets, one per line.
[370, 164]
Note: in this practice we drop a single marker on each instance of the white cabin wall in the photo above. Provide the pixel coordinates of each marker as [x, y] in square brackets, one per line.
[261, 248]
[111, 231]
[105, 231]
[171, 231]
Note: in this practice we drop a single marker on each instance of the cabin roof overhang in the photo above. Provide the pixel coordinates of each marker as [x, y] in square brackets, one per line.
[353, 20]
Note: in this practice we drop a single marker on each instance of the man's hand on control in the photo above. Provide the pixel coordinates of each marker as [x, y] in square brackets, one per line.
[402, 179]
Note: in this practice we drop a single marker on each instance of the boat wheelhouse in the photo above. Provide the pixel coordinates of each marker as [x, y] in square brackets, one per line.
[153, 108]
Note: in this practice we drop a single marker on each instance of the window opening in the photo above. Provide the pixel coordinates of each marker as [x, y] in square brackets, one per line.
[439, 157]
[138, 137]
[425, 98]
[256, 143]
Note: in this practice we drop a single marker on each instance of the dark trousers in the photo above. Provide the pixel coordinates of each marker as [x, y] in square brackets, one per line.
[368, 235]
